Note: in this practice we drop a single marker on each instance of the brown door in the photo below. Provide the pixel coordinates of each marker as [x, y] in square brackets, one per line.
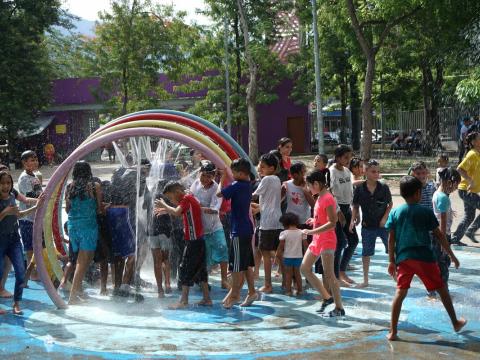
[296, 132]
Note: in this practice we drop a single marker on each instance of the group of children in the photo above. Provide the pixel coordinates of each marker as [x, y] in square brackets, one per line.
[304, 224]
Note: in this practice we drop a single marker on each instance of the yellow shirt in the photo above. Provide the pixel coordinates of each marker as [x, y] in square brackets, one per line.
[471, 164]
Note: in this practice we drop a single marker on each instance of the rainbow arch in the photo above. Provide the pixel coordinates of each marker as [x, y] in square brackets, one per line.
[182, 127]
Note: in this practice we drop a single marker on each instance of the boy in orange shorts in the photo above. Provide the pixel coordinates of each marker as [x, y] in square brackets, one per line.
[410, 252]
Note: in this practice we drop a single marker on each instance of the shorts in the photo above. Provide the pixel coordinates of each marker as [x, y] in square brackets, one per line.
[369, 238]
[428, 272]
[84, 235]
[216, 247]
[268, 239]
[160, 241]
[193, 268]
[26, 232]
[318, 246]
[295, 262]
[123, 235]
[241, 253]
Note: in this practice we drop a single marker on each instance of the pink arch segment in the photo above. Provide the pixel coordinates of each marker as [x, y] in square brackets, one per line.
[62, 171]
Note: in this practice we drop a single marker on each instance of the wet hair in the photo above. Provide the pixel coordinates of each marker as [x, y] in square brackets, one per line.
[289, 219]
[443, 157]
[106, 187]
[318, 175]
[241, 165]
[297, 168]
[82, 176]
[418, 165]
[269, 160]
[284, 141]
[409, 186]
[355, 162]
[6, 173]
[341, 150]
[471, 138]
[450, 174]
[206, 166]
[173, 186]
[371, 162]
[323, 157]
[27, 155]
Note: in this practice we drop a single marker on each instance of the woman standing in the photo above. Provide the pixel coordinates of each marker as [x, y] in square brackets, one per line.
[284, 149]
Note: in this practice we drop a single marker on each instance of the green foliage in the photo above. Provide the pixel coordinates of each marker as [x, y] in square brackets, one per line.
[468, 90]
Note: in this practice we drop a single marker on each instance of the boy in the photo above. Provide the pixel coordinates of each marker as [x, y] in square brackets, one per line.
[420, 171]
[375, 200]
[192, 267]
[241, 254]
[30, 186]
[205, 190]
[269, 192]
[320, 162]
[410, 252]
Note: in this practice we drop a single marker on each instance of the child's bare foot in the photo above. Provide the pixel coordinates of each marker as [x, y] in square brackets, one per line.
[205, 302]
[345, 278]
[4, 294]
[392, 336]
[267, 289]
[288, 293]
[249, 300]
[226, 285]
[17, 310]
[460, 324]
[230, 301]
[161, 294]
[178, 306]
[299, 293]
[104, 292]
[168, 289]
[362, 285]
[342, 283]
[75, 300]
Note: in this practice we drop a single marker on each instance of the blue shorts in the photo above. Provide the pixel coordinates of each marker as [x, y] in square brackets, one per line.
[26, 232]
[216, 247]
[369, 237]
[123, 235]
[83, 238]
[295, 262]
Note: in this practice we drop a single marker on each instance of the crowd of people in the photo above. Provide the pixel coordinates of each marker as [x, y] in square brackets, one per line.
[296, 223]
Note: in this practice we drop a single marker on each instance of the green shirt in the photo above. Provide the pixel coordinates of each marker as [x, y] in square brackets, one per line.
[412, 224]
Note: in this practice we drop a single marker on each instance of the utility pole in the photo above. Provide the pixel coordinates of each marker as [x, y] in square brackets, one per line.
[227, 76]
[318, 97]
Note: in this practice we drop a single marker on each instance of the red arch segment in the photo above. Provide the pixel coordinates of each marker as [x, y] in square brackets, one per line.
[224, 145]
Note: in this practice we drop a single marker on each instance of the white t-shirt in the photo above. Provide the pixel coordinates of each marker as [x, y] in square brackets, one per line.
[30, 186]
[293, 243]
[208, 198]
[297, 202]
[270, 192]
[341, 185]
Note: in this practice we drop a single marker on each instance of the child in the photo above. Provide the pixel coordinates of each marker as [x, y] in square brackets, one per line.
[205, 190]
[30, 186]
[375, 200]
[320, 162]
[83, 202]
[269, 192]
[290, 249]
[356, 168]
[420, 171]
[324, 243]
[410, 252]
[192, 267]
[241, 254]
[449, 180]
[10, 245]
[442, 162]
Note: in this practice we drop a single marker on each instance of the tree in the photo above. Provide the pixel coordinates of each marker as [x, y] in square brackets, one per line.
[25, 71]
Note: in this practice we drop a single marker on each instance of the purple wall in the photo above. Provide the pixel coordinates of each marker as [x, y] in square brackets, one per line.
[74, 91]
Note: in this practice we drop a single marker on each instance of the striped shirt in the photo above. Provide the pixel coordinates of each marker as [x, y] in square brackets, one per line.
[192, 217]
[427, 195]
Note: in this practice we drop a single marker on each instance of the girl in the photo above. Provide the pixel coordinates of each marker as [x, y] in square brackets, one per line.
[449, 180]
[83, 202]
[357, 170]
[468, 189]
[290, 249]
[10, 244]
[323, 244]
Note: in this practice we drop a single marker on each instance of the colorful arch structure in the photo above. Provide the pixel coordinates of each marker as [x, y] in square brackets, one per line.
[185, 128]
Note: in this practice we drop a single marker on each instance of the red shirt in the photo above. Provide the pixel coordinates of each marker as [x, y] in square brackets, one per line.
[192, 217]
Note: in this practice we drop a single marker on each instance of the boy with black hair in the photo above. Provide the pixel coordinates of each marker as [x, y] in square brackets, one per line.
[410, 252]
[420, 171]
[193, 268]
[375, 200]
[269, 192]
[241, 253]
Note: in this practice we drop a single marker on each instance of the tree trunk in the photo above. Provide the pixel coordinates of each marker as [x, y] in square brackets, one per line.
[238, 64]
[343, 108]
[366, 141]
[251, 88]
[431, 89]
[354, 107]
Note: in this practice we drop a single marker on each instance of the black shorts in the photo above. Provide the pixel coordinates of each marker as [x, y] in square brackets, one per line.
[193, 268]
[241, 254]
[268, 239]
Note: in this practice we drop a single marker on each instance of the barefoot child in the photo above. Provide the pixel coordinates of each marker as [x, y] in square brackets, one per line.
[290, 250]
[10, 245]
[375, 200]
[193, 268]
[410, 252]
[241, 253]
[324, 244]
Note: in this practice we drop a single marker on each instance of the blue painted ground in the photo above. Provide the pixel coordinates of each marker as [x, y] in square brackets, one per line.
[276, 326]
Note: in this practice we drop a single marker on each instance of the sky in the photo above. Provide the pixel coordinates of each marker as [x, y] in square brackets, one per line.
[88, 9]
